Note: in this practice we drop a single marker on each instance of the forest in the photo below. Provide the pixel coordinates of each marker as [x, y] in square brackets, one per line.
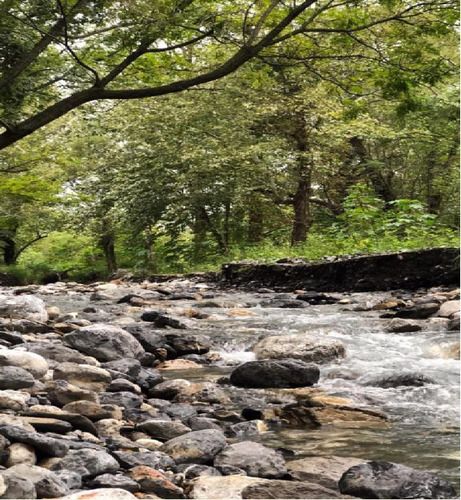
[175, 135]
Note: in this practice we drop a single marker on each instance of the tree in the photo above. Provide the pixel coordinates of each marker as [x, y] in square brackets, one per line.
[87, 50]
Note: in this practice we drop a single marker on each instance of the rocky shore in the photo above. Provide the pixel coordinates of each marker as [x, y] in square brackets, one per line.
[108, 401]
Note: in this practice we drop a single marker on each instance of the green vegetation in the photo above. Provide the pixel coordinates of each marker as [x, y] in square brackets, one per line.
[173, 136]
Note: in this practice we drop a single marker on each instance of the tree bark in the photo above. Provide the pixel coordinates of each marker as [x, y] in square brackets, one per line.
[255, 225]
[107, 242]
[9, 250]
[301, 206]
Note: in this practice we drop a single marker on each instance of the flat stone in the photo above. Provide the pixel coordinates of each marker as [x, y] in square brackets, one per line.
[300, 346]
[86, 377]
[153, 481]
[31, 362]
[289, 489]
[62, 393]
[114, 481]
[23, 307]
[154, 459]
[101, 494]
[418, 311]
[224, 487]
[448, 309]
[163, 430]
[399, 325]
[198, 447]
[254, 458]
[44, 444]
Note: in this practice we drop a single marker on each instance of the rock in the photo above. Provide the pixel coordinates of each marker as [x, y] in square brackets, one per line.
[13, 377]
[448, 309]
[418, 311]
[228, 487]
[86, 377]
[284, 303]
[2, 486]
[398, 325]
[94, 411]
[315, 298]
[53, 312]
[23, 307]
[409, 380]
[150, 316]
[163, 430]
[149, 339]
[14, 338]
[453, 325]
[31, 362]
[198, 447]
[87, 462]
[45, 424]
[311, 414]
[114, 481]
[18, 487]
[167, 321]
[128, 366]
[123, 385]
[389, 480]
[153, 481]
[49, 412]
[254, 458]
[202, 423]
[326, 471]
[300, 346]
[46, 483]
[13, 400]
[62, 393]
[289, 489]
[247, 428]
[275, 373]
[193, 471]
[204, 392]
[188, 345]
[15, 421]
[179, 364]
[169, 389]
[154, 459]
[71, 479]
[126, 400]
[20, 453]
[57, 353]
[101, 494]
[104, 342]
[44, 444]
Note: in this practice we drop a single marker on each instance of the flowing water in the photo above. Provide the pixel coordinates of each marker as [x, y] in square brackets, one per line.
[423, 428]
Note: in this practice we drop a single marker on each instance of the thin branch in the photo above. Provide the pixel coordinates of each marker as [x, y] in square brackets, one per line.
[180, 45]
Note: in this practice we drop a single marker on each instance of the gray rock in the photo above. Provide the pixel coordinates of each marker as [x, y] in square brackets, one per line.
[46, 483]
[169, 389]
[20, 453]
[163, 430]
[180, 411]
[193, 471]
[300, 346]
[114, 481]
[87, 462]
[449, 308]
[275, 373]
[198, 447]
[23, 307]
[13, 338]
[154, 459]
[389, 480]
[128, 366]
[72, 479]
[62, 393]
[202, 423]
[150, 340]
[126, 400]
[254, 458]
[188, 344]
[166, 321]
[418, 311]
[19, 488]
[13, 400]
[44, 444]
[57, 353]
[104, 342]
[123, 385]
[284, 303]
[14, 377]
[409, 380]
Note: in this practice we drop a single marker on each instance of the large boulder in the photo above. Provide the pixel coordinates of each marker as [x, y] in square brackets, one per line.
[254, 458]
[389, 480]
[418, 311]
[33, 363]
[448, 309]
[300, 346]
[58, 353]
[41, 443]
[23, 307]
[275, 373]
[199, 447]
[104, 342]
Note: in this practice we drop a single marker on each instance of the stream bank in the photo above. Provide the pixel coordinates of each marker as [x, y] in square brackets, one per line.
[135, 388]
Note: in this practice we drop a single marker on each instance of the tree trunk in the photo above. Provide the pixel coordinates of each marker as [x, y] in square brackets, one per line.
[301, 206]
[255, 226]
[107, 243]
[9, 251]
